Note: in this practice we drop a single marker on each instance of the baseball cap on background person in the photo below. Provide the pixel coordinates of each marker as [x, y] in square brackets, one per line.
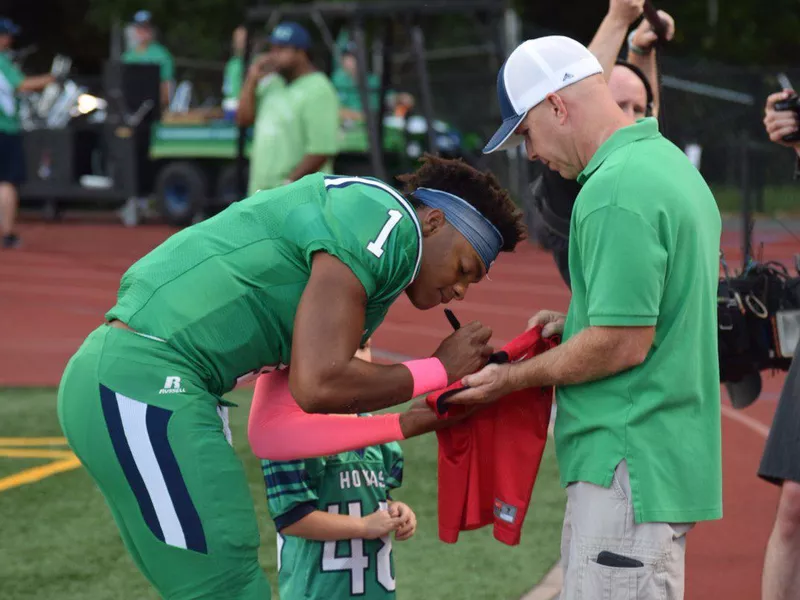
[8, 27]
[143, 17]
[291, 34]
[535, 69]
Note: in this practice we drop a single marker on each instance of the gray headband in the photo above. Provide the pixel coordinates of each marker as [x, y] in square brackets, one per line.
[479, 231]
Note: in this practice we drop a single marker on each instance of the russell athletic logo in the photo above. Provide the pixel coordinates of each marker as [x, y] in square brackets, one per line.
[172, 385]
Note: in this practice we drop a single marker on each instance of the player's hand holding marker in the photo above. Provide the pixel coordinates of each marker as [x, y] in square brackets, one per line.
[494, 381]
[465, 351]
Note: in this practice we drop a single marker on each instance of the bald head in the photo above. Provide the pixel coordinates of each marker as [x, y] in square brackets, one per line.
[563, 130]
[628, 92]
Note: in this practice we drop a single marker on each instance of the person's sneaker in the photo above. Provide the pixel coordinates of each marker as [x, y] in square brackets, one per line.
[11, 241]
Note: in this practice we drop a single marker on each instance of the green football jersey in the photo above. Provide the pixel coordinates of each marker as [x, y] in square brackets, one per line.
[224, 292]
[352, 483]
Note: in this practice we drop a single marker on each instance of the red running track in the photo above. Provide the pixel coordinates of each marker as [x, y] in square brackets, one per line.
[56, 289]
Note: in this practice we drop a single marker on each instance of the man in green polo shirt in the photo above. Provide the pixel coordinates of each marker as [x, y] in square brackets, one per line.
[294, 110]
[149, 51]
[637, 378]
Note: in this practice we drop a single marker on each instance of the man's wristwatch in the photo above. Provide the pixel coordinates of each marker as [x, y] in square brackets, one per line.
[637, 49]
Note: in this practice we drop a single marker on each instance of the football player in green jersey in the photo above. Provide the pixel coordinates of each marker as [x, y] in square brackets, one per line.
[334, 517]
[298, 275]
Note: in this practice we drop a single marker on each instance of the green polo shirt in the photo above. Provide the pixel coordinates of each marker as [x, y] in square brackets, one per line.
[154, 53]
[644, 251]
[10, 80]
[292, 120]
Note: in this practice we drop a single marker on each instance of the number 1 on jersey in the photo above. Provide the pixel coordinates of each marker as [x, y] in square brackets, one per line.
[376, 245]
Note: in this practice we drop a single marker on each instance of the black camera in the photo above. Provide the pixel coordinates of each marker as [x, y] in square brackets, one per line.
[758, 317]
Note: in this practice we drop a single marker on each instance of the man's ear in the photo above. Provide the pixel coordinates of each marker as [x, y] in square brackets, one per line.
[558, 108]
[432, 221]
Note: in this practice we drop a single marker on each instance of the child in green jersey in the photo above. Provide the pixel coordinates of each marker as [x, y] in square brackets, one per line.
[334, 517]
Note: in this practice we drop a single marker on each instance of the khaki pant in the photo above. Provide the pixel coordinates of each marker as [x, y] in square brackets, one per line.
[599, 519]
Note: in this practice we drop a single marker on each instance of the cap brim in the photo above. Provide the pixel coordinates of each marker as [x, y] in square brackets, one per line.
[285, 44]
[745, 391]
[504, 138]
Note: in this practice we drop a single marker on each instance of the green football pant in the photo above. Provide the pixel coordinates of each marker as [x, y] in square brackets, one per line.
[157, 445]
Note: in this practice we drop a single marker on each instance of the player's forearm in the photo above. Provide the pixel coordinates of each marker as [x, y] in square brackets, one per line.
[594, 353]
[311, 163]
[607, 42]
[649, 67]
[245, 112]
[326, 527]
[354, 387]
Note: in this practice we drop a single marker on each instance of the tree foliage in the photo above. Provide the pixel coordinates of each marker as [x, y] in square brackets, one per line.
[745, 33]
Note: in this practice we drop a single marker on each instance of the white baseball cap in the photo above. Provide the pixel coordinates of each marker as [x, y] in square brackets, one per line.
[535, 69]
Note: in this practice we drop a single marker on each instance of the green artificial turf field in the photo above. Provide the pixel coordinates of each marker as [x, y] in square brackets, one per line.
[59, 541]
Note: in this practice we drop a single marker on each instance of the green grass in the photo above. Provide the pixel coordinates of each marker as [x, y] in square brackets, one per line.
[777, 199]
[59, 541]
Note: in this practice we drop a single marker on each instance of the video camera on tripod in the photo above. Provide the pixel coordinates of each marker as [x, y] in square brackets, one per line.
[758, 314]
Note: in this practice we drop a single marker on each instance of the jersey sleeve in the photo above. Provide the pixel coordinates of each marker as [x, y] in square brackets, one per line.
[372, 229]
[290, 495]
[11, 73]
[393, 465]
[167, 67]
[624, 267]
[320, 117]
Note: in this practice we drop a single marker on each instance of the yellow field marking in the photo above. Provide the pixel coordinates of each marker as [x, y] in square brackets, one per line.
[61, 460]
[38, 473]
[40, 441]
[34, 453]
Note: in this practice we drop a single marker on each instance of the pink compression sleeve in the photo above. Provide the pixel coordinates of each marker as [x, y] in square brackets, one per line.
[278, 429]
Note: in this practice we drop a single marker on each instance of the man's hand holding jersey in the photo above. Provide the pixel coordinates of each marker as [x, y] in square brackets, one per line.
[497, 380]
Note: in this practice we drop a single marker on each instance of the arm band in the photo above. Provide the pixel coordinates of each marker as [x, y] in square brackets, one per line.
[278, 429]
[429, 375]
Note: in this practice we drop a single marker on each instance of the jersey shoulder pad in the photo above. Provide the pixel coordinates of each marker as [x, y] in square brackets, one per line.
[375, 231]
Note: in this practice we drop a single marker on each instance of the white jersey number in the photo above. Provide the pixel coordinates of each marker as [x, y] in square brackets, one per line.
[357, 562]
[376, 245]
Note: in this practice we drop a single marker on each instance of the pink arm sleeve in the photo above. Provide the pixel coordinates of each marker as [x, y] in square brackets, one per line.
[278, 429]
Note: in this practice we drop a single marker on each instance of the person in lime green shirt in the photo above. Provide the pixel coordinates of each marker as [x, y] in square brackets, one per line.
[149, 51]
[294, 110]
[637, 431]
[12, 164]
[234, 71]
